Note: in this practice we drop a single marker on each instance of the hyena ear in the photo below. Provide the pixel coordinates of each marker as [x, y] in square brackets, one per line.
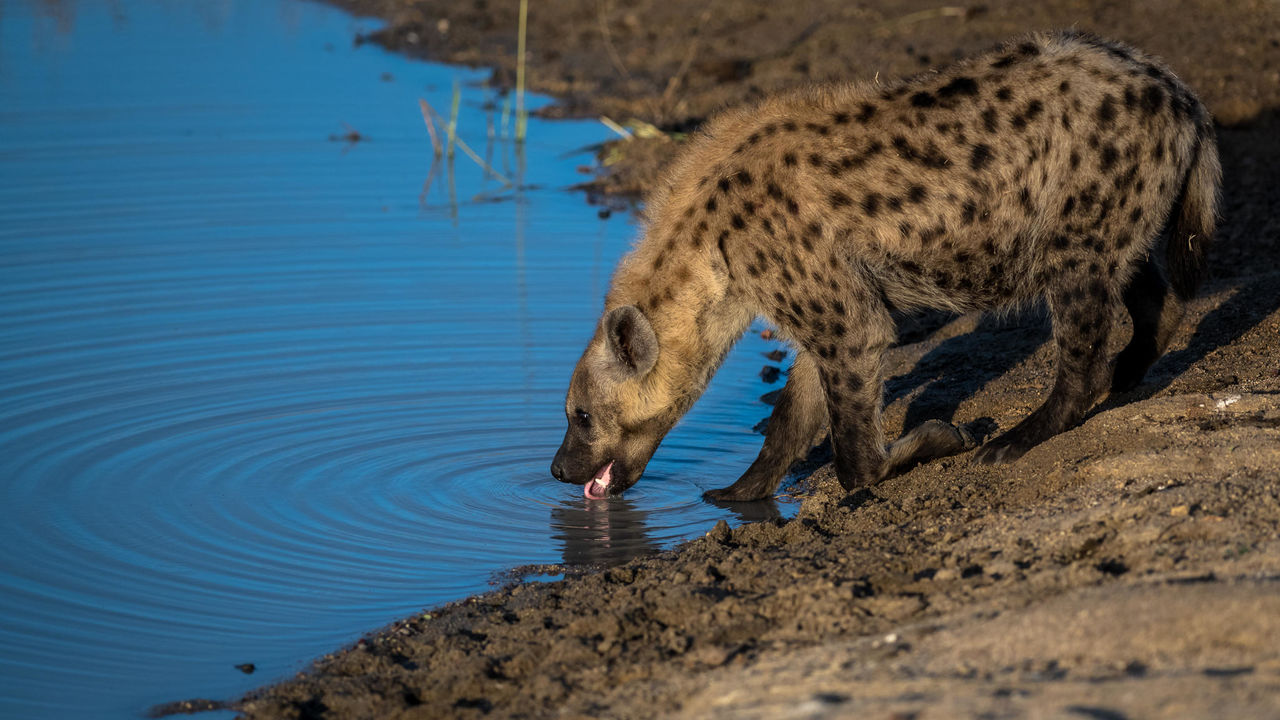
[632, 342]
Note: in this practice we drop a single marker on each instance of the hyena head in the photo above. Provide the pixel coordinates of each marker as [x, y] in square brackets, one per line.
[617, 411]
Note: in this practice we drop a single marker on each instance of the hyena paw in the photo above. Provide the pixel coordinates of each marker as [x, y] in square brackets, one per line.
[733, 493]
[1001, 450]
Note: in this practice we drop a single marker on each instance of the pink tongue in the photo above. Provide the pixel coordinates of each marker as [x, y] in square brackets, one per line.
[597, 488]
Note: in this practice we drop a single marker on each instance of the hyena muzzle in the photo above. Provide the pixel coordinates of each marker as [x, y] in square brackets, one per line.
[1047, 169]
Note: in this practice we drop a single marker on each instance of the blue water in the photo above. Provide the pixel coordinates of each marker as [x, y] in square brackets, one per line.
[261, 390]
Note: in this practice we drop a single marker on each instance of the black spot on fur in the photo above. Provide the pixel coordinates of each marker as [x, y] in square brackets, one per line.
[1004, 61]
[737, 222]
[817, 128]
[1107, 111]
[839, 199]
[1069, 206]
[959, 86]
[840, 118]
[871, 204]
[980, 157]
[723, 184]
[1108, 157]
[1136, 215]
[969, 212]
[866, 112]
[917, 193]
[1066, 121]
[1064, 87]
[816, 160]
[1004, 94]
[1152, 99]
[711, 204]
[773, 191]
[744, 178]
[990, 121]
[1074, 159]
[789, 159]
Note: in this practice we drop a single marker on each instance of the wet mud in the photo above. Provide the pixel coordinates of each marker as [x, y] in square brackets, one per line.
[1129, 567]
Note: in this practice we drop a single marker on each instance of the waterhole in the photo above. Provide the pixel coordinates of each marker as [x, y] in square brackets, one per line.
[270, 378]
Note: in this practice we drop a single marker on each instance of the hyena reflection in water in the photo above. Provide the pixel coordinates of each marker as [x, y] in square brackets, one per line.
[1048, 168]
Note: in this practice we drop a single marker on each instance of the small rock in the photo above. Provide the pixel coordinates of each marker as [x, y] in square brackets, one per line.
[770, 373]
[720, 533]
[246, 668]
[1179, 511]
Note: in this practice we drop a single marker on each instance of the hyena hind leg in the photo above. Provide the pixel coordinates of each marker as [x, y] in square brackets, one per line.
[1156, 311]
[798, 415]
[927, 441]
[1081, 308]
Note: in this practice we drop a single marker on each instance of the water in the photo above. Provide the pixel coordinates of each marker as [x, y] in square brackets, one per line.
[261, 391]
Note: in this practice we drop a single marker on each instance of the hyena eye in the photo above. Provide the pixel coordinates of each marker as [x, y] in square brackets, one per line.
[582, 417]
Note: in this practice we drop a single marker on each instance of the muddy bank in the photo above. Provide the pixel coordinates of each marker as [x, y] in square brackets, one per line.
[1128, 567]
[1131, 565]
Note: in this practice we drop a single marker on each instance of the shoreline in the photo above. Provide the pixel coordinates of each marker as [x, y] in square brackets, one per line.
[1128, 566]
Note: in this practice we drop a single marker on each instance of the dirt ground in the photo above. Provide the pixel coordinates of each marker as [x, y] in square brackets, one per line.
[1127, 568]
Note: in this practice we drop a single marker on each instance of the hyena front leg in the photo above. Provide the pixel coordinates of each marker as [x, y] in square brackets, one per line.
[1156, 312]
[797, 417]
[1081, 308]
[851, 366]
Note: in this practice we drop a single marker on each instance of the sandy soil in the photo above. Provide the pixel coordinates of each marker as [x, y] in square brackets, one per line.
[1127, 568]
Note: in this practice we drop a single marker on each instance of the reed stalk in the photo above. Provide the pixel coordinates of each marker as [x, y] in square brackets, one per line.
[454, 106]
[522, 117]
[428, 113]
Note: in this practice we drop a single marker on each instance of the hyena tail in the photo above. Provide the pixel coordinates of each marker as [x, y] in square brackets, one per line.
[1197, 216]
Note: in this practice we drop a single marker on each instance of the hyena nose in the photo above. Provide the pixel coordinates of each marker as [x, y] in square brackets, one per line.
[557, 470]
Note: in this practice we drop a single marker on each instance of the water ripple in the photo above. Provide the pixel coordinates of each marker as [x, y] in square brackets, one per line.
[256, 395]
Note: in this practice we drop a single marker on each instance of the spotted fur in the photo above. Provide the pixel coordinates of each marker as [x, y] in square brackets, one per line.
[1045, 169]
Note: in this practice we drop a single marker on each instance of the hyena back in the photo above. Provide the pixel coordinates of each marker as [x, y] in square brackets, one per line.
[1047, 168]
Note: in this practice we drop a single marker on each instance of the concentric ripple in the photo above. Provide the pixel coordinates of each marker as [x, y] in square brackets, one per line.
[261, 391]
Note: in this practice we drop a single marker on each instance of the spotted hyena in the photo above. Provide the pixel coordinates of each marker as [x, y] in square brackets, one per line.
[1047, 168]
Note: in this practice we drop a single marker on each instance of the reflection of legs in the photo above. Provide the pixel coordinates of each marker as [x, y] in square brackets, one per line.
[1156, 312]
[795, 420]
[1081, 310]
